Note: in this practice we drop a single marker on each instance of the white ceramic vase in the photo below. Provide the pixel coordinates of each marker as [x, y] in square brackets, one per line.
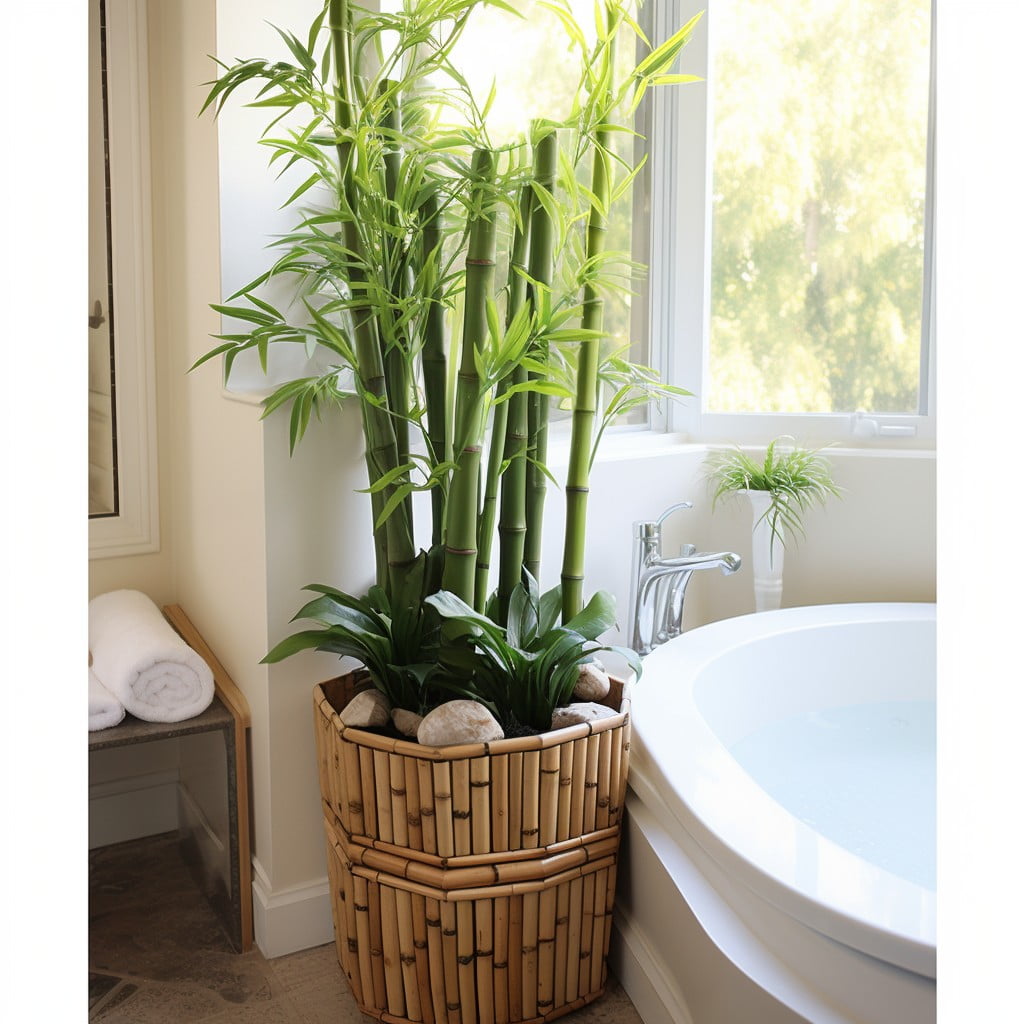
[766, 554]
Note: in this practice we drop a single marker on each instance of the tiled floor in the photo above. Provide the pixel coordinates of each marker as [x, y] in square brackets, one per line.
[157, 955]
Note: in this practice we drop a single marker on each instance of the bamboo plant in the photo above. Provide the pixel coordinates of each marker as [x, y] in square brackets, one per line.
[405, 212]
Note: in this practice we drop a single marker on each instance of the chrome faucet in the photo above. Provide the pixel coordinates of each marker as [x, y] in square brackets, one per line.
[657, 585]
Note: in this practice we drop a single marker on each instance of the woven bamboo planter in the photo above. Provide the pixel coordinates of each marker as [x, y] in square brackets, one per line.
[472, 884]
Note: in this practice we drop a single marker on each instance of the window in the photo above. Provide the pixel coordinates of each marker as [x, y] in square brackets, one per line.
[795, 292]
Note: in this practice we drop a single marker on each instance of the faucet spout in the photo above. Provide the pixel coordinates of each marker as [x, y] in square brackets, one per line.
[727, 561]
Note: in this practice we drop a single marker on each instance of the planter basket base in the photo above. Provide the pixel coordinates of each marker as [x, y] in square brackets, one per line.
[473, 884]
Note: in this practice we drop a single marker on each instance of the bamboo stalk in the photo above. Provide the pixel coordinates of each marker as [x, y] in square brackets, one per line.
[604, 779]
[600, 921]
[512, 526]
[361, 907]
[515, 958]
[531, 909]
[615, 784]
[550, 759]
[572, 972]
[500, 862]
[483, 913]
[564, 791]
[561, 943]
[382, 785]
[418, 905]
[463, 504]
[334, 883]
[500, 965]
[435, 960]
[324, 741]
[578, 793]
[399, 807]
[412, 804]
[498, 448]
[392, 950]
[499, 802]
[353, 968]
[466, 955]
[434, 358]
[515, 801]
[587, 933]
[381, 445]
[590, 784]
[541, 269]
[340, 780]
[531, 797]
[609, 910]
[581, 444]
[395, 347]
[480, 798]
[461, 808]
[450, 961]
[380, 985]
[443, 810]
[366, 784]
[428, 817]
[407, 954]
[546, 951]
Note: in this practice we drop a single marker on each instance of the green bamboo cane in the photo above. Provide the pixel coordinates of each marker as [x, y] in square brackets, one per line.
[541, 269]
[499, 444]
[395, 344]
[584, 413]
[381, 444]
[434, 357]
[463, 501]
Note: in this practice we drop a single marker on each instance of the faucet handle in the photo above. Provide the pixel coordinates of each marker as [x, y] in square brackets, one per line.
[673, 508]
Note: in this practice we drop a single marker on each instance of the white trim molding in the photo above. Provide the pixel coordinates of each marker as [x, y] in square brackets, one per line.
[291, 919]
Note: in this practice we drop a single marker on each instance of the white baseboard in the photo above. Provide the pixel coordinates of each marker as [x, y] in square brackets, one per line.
[641, 973]
[131, 808]
[291, 919]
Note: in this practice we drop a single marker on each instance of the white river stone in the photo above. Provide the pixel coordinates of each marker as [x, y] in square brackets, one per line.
[457, 722]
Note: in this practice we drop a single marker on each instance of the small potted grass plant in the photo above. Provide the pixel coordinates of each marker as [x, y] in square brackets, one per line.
[442, 853]
[780, 488]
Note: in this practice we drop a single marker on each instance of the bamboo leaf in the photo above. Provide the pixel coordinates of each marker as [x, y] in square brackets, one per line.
[397, 496]
[663, 56]
[241, 313]
[385, 481]
[675, 79]
[301, 54]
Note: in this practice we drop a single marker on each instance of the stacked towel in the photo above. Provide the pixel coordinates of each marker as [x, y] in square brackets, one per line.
[139, 658]
[105, 709]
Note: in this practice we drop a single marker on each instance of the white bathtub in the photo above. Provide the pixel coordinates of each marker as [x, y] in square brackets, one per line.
[780, 842]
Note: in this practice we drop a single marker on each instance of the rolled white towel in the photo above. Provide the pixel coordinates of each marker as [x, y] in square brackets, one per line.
[105, 709]
[141, 660]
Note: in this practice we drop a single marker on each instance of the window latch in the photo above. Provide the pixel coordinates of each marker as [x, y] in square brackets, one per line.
[866, 427]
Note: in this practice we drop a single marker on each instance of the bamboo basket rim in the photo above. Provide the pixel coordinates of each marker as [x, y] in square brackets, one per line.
[464, 751]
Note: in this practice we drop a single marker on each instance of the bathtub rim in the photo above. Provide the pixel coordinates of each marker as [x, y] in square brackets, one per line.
[907, 938]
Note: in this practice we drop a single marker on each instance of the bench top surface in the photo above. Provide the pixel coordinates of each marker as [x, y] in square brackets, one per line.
[133, 730]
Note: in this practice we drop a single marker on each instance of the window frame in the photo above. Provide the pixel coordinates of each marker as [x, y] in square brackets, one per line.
[680, 268]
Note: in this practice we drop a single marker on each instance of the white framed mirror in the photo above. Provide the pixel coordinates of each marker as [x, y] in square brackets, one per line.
[123, 513]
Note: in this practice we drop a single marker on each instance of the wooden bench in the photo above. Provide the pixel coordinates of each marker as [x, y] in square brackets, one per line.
[228, 714]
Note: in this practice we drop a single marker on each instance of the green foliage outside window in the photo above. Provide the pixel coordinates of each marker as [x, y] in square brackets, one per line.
[820, 120]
